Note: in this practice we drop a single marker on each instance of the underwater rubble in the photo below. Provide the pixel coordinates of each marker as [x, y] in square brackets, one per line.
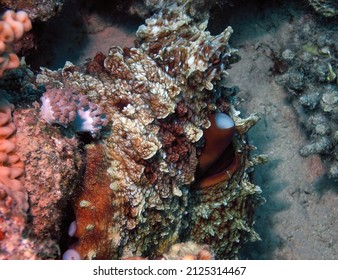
[310, 76]
[327, 8]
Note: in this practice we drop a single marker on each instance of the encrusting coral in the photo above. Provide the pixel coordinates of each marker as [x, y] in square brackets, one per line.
[49, 188]
[12, 27]
[14, 199]
[35, 232]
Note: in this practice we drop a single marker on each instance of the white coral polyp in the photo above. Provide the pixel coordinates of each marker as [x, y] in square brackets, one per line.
[90, 120]
[58, 108]
[46, 110]
[66, 108]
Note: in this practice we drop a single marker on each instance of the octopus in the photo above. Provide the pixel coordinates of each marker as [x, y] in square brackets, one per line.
[172, 166]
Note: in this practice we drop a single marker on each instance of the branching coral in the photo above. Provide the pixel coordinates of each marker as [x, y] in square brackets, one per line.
[12, 27]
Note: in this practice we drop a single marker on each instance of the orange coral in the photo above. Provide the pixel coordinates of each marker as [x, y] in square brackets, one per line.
[13, 196]
[11, 167]
[12, 27]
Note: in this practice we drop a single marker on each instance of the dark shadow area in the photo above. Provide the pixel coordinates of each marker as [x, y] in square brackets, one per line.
[59, 40]
[252, 21]
[263, 250]
[325, 184]
[66, 37]
[250, 13]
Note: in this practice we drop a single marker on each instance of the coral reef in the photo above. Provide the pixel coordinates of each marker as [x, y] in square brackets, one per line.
[327, 8]
[32, 231]
[148, 187]
[199, 9]
[12, 27]
[13, 195]
[36, 9]
[158, 98]
[49, 188]
[311, 78]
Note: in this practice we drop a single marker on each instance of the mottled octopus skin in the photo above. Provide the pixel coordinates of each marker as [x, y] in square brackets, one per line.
[140, 195]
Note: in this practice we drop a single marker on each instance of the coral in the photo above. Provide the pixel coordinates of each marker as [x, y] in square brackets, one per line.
[11, 168]
[327, 8]
[33, 231]
[142, 197]
[198, 10]
[36, 9]
[53, 164]
[311, 79]
[13, 196]
[63, 107]
[12, 27]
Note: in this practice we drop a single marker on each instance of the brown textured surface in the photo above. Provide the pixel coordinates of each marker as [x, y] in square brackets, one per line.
[52, 165]
[158, 108]
[138, 196]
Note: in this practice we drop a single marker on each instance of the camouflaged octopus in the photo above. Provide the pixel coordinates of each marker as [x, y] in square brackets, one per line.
[144, 189]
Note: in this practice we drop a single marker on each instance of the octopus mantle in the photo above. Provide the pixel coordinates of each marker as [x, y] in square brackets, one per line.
[141, 192]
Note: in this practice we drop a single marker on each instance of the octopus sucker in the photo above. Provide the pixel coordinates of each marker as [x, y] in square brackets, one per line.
[153, 179]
